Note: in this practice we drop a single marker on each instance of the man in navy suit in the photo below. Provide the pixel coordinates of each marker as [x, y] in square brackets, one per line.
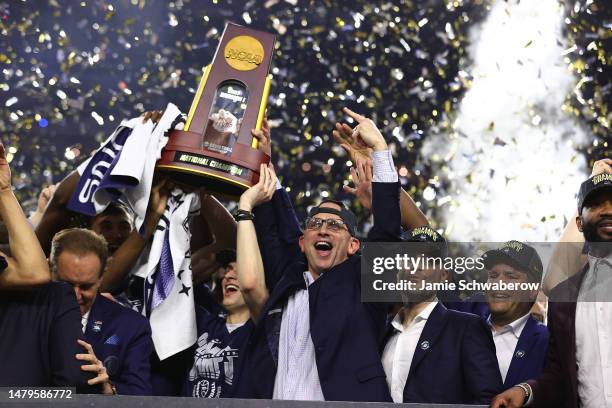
[315, 339]
[38, 318]
[433, 354]
[118, 340]
[520, 340]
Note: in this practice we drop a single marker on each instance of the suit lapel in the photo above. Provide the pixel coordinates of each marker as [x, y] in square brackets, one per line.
[521, 355]
[434, 325]
[95, 322]
[569, 312]
[288, 284]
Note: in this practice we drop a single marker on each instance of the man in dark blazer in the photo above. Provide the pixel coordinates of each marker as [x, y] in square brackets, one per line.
[118, 340]
[520, 340]
[576, 372]
[121, 339]
[39, 323]
[433, 354]
[337, 356]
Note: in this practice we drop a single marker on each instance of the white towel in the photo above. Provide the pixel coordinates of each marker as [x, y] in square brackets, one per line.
[171, 312]
[122, 169]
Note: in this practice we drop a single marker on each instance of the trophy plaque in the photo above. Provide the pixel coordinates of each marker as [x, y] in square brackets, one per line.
[215, 149]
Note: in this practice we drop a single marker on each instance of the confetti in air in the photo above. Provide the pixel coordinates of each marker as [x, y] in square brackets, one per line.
[70, 71]
[512, 161]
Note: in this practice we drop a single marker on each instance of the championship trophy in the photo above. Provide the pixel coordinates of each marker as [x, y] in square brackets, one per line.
[215, 149]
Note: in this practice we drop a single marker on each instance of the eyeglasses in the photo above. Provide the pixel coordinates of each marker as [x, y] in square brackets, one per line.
[332, 224]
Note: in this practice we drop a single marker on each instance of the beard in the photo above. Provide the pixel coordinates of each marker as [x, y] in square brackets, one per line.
[589, 229]
[598, 245]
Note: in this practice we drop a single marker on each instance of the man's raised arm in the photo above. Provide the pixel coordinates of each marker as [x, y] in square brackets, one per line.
[361, 155]
[276, 224]
[385, 186]
[57, 216]
[251, 276]
[27, 265]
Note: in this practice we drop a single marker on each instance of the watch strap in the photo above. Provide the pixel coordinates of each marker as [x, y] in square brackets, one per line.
[243, 215]
[526, 389]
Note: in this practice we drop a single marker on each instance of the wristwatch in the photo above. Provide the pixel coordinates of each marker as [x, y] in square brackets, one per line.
[243, 215]
[526, 389]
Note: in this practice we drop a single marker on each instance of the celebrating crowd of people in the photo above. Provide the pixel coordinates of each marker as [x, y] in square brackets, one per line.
[277, 303]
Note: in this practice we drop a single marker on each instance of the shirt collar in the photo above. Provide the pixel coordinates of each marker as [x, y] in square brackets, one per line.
[308, 278]
[594, 264]
[593, 260]
[84, 320]
[516, 327]
[423, 315]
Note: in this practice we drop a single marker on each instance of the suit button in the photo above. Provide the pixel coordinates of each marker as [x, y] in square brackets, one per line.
[319, 349]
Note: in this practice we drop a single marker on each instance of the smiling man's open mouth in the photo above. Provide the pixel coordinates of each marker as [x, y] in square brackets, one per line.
[230, 288]
[323, 247]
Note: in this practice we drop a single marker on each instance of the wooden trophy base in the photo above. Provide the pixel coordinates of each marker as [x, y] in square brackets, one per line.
[186, 161]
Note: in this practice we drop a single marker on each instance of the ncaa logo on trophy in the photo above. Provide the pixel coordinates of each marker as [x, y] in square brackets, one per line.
[216, 149]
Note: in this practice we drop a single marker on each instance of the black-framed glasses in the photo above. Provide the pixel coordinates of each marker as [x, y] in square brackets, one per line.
[332, 224]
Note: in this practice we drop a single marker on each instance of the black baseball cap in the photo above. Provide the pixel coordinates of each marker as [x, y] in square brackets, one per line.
[346, 215]
[594, 184]
[517, 254]
[432, 242]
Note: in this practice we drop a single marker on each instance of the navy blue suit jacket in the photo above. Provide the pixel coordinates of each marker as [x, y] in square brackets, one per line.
[39, 329]
[454, 361]
[121, 339]
[529, 354]
[346, 332]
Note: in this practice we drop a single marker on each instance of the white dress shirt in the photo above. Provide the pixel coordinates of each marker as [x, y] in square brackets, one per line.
[506, 339]
[84, 320]
[297, 377]
[594, 334]
[399, 351]
[383, 167]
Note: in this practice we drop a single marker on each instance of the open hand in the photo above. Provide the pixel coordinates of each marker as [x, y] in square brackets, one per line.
[361, 175]
[366, 133]
[260, 192]
[95, 366]
[352, 145]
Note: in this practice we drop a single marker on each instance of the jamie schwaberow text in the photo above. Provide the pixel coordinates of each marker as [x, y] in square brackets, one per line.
[408, 285]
